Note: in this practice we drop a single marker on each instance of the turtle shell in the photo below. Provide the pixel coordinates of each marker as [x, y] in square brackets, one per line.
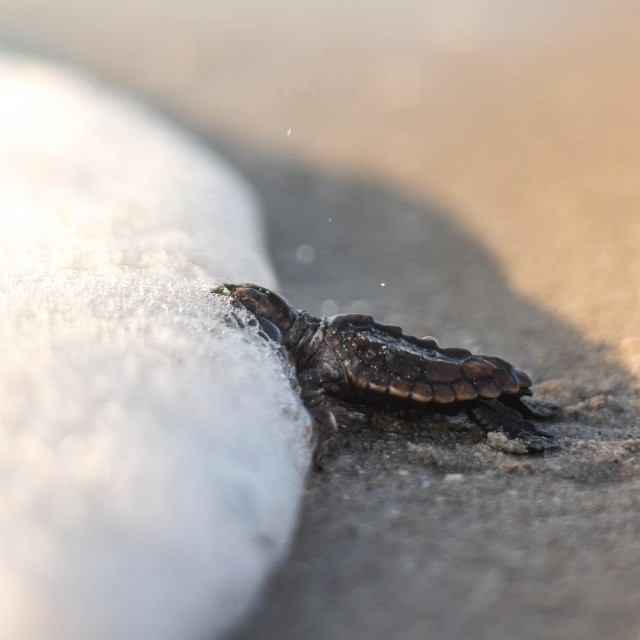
[380, 359]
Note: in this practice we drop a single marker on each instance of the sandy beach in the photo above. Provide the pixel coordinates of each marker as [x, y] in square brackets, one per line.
[470, 174]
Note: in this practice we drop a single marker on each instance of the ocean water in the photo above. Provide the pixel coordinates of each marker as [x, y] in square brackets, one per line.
[152, 449]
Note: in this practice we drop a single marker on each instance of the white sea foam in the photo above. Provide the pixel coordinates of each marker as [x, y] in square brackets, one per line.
[151, 455]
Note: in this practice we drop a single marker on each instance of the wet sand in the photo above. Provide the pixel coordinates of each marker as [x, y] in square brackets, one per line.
[486, 173]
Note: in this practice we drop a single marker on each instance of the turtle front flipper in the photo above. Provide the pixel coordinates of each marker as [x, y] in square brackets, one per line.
[493, 415]
[325, 427]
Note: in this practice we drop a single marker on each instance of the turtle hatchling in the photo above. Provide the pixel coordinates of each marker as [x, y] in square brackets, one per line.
[354, 359]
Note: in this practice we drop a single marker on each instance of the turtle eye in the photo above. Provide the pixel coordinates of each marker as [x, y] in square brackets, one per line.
[221, 290]
[270, 329]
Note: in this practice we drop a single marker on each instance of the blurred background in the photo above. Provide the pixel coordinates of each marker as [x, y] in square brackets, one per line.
[520, 118]
[467, 168]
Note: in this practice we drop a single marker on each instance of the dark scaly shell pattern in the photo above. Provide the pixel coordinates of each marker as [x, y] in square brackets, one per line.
[380, 359]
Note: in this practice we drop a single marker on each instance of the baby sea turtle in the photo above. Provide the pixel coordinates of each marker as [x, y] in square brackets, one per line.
[355, 359]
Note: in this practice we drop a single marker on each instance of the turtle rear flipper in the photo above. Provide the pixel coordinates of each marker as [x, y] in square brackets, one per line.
[537, 409]
[496, 416]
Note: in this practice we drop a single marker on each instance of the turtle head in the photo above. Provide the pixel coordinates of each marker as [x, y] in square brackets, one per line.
[273, 312]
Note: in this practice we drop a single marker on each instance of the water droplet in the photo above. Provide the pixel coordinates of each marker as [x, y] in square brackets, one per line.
[383, 284]
[329, 308]
[305, 254]
[358, 306]
[289, 132]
